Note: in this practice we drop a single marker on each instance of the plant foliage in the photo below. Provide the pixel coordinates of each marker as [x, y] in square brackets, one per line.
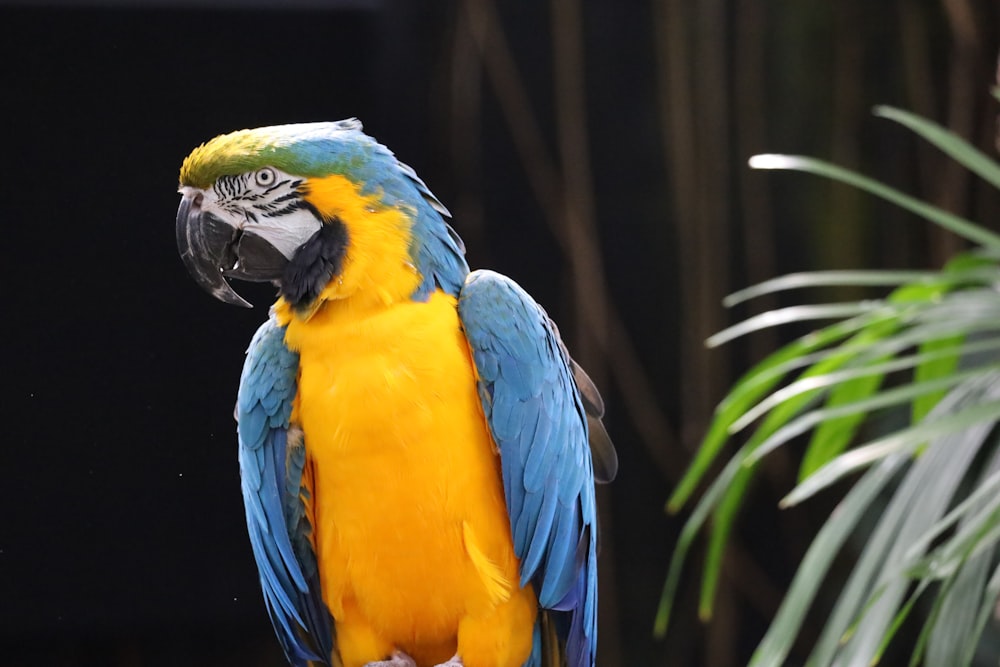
[928, 350]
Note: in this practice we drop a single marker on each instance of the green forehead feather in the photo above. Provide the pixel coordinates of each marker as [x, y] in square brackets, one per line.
[307, 149]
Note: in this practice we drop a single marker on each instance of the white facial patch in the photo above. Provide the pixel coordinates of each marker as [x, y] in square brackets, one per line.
[266, 202]
[288, 232]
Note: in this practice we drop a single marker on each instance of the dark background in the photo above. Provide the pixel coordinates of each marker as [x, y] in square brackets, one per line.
[594, 151]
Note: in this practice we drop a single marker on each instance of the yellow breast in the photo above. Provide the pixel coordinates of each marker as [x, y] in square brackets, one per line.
[410, 525]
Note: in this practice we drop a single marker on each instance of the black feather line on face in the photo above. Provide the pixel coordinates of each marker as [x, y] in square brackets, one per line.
[314, 264]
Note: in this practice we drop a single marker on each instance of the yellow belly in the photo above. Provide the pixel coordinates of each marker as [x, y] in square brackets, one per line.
[410, 525]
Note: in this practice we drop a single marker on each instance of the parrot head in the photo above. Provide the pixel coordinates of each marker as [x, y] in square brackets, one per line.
[319, 209]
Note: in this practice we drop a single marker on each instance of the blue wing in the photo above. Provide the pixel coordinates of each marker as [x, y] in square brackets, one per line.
[539, 424]
[272, 458]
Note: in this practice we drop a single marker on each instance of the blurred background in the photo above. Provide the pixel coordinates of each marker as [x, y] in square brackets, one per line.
[594, 151]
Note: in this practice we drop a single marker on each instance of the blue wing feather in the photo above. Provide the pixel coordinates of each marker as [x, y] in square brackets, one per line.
[564, 532]
[537, 419]
[271, 478]
[538, 542]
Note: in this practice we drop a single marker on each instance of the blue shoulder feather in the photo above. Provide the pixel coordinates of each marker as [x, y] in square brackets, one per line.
[272, 458]
[538, 422]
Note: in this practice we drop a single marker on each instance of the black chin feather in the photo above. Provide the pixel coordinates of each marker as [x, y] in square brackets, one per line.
[314, 264]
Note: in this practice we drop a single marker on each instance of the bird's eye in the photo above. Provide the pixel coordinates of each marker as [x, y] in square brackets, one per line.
[265, 177]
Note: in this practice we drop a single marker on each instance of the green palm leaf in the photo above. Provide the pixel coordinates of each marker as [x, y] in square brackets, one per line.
[928, 351]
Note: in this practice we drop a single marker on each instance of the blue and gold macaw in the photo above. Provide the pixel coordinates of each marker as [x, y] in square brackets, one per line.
[413, 437]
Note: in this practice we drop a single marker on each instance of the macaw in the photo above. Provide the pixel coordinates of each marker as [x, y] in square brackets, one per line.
[413, 437]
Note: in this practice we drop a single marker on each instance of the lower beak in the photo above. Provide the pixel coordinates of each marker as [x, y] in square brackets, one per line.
[206, 244]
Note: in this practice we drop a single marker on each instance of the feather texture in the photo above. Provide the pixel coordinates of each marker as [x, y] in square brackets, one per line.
[537, 418]
[272, 459]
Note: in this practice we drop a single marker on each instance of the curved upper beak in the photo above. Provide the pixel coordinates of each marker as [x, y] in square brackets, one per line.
[207, 245]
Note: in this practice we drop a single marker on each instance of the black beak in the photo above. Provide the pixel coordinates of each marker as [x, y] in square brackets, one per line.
[207, 247]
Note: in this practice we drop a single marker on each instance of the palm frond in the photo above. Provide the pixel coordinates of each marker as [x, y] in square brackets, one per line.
[929, 351]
